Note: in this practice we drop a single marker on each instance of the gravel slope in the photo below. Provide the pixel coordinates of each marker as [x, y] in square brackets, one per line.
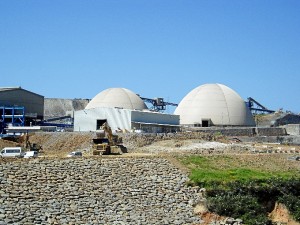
[95, 191]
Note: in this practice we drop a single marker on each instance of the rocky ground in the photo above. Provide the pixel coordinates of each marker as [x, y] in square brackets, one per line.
[95, 191]
[145, 186]
[59, 144]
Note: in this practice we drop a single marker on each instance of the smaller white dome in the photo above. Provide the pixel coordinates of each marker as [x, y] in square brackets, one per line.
[117, 97]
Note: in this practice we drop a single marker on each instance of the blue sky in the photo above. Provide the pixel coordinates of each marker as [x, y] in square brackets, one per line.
[156, 48]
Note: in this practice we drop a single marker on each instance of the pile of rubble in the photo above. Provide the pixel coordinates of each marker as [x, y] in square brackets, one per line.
[134, 140]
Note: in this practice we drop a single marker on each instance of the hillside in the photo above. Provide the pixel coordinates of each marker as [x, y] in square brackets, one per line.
[277, 119]
[56, 107]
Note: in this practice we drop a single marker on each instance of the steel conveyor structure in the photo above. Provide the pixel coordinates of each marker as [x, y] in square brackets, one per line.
[158, 104]
[256, 107]
[11, 115]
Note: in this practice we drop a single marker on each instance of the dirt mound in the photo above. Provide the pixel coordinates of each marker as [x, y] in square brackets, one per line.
[62, 143]
[280, 214]
[7, 143]
[211, 218]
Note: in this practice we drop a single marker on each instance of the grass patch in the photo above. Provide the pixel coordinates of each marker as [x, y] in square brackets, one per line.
[211, 170]
[208, 176]
[249, 182]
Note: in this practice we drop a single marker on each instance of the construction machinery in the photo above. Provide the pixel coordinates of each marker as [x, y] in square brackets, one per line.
[31, 146]
[106, 142]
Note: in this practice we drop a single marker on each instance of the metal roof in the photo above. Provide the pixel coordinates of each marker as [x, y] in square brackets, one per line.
[9, 88]
[3, 89]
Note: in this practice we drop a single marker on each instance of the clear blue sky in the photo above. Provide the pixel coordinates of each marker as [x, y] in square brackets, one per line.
[156, 48]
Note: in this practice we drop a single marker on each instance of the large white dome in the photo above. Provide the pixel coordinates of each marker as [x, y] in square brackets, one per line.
[117, 97]
[216, 104]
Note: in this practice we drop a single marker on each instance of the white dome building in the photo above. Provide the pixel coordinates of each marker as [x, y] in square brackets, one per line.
[124, 111]
[214, 104]
[117, 98]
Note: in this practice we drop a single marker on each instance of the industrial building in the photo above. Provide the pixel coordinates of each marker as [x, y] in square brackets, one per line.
[123, 110]
[213, 105]
[19, 107]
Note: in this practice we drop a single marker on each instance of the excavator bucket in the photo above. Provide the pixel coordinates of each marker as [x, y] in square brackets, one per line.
[115, 149]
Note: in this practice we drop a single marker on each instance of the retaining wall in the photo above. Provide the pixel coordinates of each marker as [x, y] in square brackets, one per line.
[94, 191]
[244, 131]
[292, 140]
[292, 129]
[271, 131]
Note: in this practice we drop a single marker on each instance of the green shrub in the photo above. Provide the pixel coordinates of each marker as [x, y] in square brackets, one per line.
[242, 206]
[235, 205]
[248, 200]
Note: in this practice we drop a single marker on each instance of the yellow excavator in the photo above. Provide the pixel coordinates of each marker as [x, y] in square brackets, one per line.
[28, 145]
[106, 142]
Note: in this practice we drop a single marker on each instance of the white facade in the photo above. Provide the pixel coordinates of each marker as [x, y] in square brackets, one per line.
[125, 119]
[214, 104]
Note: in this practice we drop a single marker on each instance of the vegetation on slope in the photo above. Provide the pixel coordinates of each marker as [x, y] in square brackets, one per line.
[247, 186]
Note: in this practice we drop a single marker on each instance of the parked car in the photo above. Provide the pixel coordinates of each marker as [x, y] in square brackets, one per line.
[31, 154]
[294, 158]
[11, 152]
[75, 154]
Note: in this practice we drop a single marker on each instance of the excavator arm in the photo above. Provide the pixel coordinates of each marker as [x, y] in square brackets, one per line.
[108, 133]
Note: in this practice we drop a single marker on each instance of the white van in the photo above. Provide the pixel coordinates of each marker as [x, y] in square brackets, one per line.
[11, 152]
[31, 154]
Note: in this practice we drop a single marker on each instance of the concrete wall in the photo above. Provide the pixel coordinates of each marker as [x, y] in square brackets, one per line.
[293, 140]
[152, 117]
[243, 131]
[33, 103]
[86, 120]
[228, 131]
[292, 129]
[271, 131]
